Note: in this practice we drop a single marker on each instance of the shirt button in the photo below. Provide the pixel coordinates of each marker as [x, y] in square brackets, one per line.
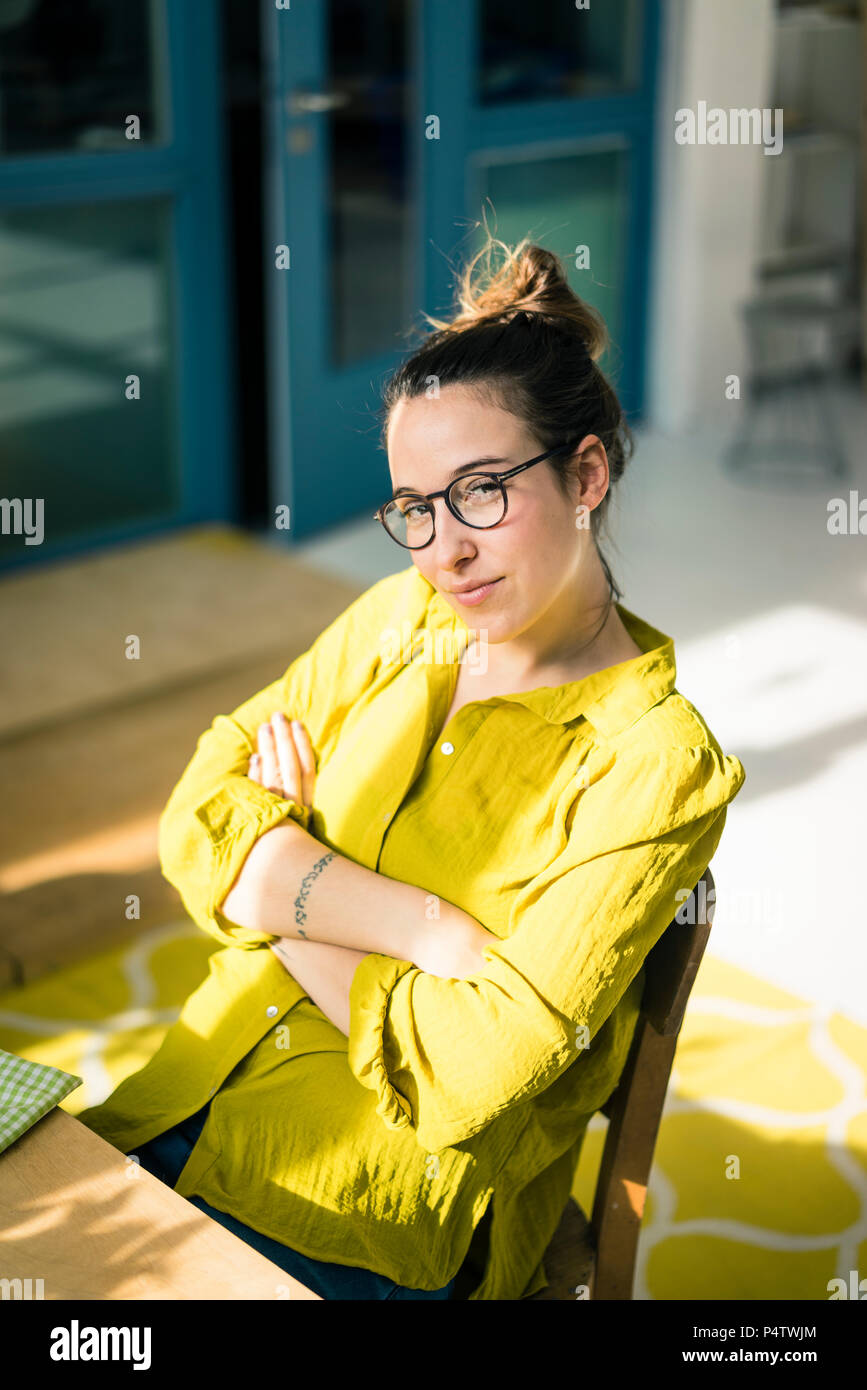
[447, 748]
[271, 1010]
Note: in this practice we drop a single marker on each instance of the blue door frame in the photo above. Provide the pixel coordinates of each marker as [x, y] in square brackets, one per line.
[543, 128]
[190, 171]
[323, 446]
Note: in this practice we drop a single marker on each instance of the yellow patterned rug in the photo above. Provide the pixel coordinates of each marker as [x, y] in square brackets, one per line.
[759, 1183]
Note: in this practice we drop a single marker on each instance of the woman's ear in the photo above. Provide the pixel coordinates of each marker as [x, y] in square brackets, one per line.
[588, 472]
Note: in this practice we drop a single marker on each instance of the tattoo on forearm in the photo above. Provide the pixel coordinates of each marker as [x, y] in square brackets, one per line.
[306, 882]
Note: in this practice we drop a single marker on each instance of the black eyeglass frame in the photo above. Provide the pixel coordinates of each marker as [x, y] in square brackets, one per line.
[429, 497]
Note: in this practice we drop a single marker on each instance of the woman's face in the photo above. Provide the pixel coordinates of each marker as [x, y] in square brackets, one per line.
[536, 552]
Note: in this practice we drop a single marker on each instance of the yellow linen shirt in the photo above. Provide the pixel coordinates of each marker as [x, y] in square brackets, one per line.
[571, 821]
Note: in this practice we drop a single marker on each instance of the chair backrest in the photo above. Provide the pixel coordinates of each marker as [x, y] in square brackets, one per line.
[634, 1109]
[602, 1252]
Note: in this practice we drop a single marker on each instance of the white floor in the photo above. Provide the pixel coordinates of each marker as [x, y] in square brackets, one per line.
[769, 615]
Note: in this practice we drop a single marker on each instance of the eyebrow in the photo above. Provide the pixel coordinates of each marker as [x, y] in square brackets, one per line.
[462, 468]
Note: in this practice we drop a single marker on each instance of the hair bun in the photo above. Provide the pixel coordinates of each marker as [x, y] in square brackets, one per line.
[529, 286]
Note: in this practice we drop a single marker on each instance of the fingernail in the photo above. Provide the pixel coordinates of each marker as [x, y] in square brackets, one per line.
[279, 715]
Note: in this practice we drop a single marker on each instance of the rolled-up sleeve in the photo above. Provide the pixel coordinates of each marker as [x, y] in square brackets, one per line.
[216, 813]
[205, 837]
[446, 1057]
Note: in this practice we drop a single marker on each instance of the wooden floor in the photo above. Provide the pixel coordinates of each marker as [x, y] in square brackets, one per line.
[92, 743]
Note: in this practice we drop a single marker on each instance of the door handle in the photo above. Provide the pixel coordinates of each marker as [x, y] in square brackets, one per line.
[302, 103]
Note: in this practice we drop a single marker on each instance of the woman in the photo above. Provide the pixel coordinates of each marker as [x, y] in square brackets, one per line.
[492, 804]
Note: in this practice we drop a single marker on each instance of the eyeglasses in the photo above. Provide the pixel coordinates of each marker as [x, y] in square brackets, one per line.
[477, 499]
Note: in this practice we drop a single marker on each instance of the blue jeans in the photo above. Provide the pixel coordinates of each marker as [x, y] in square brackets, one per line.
[167, 1154]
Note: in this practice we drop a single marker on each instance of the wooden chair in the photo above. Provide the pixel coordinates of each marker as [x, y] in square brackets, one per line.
[600, 1253]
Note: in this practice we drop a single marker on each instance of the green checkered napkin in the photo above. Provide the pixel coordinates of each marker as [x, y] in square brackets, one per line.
[28, 1091]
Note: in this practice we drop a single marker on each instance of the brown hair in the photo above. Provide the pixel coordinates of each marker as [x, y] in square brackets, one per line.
[525, 341]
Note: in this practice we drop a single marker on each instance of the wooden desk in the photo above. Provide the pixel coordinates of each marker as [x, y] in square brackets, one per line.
[92, 1224]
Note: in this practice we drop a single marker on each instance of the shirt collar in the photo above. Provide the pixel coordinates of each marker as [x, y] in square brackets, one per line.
[611, 700]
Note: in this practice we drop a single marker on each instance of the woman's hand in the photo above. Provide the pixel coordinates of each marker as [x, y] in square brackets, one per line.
[286, 766]
[285, 763]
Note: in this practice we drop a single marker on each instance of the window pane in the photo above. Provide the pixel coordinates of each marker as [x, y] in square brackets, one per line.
[544, 52]
[85, 304]
[70, 75]
[583, 199]
[370, 254]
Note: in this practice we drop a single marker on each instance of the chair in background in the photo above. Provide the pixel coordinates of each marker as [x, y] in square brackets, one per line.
[789, 429]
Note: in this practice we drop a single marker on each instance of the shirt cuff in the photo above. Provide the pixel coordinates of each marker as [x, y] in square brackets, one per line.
[236, 817]
[369, 995]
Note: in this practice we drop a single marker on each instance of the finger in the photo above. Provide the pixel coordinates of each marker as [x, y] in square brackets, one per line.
[254, 771]
[268, 760]
[287, 757]
[306, 759]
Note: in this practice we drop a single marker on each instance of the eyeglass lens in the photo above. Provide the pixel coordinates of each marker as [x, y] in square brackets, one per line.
[478, 499]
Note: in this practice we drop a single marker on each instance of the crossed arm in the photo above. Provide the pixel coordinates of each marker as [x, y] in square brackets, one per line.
[325, 973]
[331, 912]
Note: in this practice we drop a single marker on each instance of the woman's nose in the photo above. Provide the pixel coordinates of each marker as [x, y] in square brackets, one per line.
[452, 538]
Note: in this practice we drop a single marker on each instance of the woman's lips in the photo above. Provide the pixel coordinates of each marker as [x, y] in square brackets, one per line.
[474, 596]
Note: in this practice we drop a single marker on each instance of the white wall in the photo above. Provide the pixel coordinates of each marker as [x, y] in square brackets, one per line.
[706, 209]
